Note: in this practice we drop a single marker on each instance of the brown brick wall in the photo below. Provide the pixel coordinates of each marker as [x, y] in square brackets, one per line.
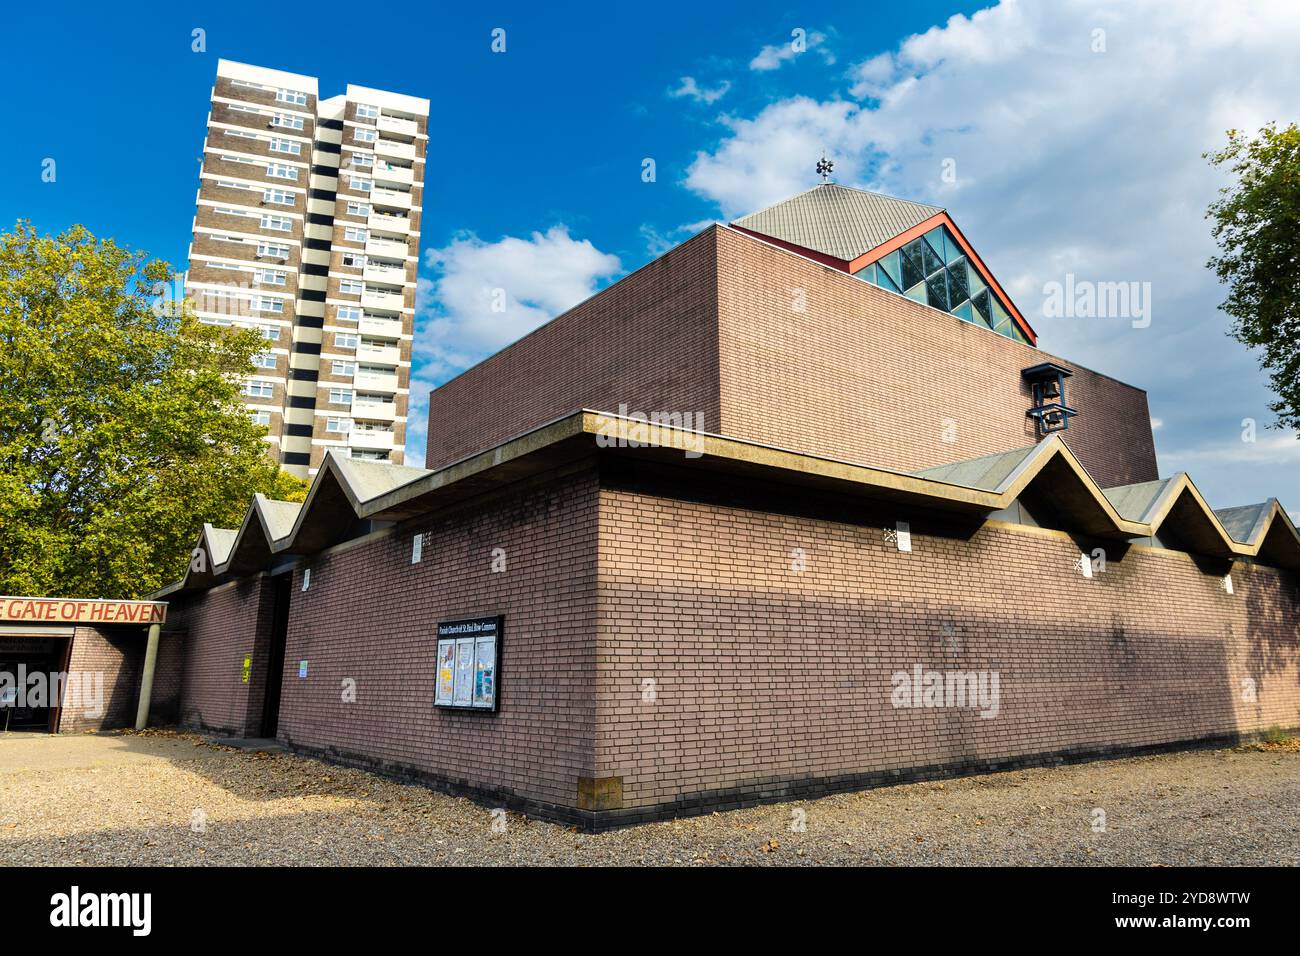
[117, 654]
[225, 86]
[768, 680]
[228, 196]
[769, 623]
[277, 389]
[223, 113]
[200, 271]
[342, 216]
[345, 188]
[204, 244]
[870, 377]
[168, 672]
[859, 374]
[221, 627]
[649, 341]
[252, 226]
[219, 140]
[256, 173]
[370, 615]
[241, 304]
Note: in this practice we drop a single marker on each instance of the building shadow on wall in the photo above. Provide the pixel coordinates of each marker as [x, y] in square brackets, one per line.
[1273, 635]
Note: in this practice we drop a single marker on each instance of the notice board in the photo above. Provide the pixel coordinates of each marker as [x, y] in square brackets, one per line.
[468, 675]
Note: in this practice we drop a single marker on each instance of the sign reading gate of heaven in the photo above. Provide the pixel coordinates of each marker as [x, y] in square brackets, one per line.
[468, 657]
[60, 611]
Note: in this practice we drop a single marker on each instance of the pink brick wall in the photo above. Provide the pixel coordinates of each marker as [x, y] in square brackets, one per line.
[650, 341]
[859, 374]
[768, 679]
[869, 377]
[221, 627]
[370, 615]
[657, 630]
[116, 654]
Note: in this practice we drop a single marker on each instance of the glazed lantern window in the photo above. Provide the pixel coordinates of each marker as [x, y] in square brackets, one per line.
[935, 270]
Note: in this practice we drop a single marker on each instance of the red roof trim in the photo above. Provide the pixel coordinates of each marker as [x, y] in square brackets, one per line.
[804, 251]
[900, 240]
[920, 229]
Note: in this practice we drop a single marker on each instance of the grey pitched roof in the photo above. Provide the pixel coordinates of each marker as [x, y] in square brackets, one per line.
[838, 221]
[220, 540]
[280, 516]
[987, 473]
[1240, 523]
[1134, 502]
[370, 479]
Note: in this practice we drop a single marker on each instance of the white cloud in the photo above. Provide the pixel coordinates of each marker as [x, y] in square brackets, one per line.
[689, 87]
[485, 295]
[871, 76]
[1067, 161]
[656, 243]
[771, 156]
[417, 419]
[776, 55]
[1273, 449]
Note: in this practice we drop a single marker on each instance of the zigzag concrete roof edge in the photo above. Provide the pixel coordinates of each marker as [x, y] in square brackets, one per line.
[595, 425]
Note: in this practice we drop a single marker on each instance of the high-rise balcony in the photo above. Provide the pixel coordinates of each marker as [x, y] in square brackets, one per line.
[374, 272]
[391, 147]
[397, 126]
[390, 197]
[384, 223]
[374, 299]
[376, 381]
[384, 173]
[380, 328]
[391, 248]
[374, 411]
[379, 354]
[371, 439]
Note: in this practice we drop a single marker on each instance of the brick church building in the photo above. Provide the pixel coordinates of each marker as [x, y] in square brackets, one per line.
[798, 507]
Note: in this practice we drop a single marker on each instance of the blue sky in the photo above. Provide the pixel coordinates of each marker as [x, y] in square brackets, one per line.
[1068, 159]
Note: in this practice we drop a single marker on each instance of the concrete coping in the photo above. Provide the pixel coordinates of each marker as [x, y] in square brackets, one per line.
[345, 491]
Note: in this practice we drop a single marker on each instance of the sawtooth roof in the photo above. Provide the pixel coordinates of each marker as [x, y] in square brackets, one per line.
[1245, 522]
[987, 473]
[347, 495]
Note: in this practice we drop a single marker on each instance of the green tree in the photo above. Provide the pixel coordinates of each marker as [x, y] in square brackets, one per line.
[121, 427]
[1257, 227]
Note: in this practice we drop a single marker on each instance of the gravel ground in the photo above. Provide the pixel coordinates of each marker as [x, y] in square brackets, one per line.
[160, 798]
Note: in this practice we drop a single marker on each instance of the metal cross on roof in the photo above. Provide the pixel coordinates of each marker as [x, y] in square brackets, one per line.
[824, 167]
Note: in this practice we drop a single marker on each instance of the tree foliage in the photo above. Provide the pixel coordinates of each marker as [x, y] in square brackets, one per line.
[1257, 226]
[121, 426]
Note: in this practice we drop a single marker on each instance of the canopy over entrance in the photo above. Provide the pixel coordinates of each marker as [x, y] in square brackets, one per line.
[36, 636]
